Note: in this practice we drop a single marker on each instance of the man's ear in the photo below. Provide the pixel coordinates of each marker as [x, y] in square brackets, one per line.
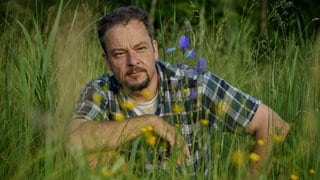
[105, 58]
[155, 50]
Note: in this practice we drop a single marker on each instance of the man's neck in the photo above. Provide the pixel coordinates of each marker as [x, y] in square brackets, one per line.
[147, 93]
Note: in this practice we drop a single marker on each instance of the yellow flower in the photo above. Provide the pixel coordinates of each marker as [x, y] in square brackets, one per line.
[146, 94]
[312, 171]
[177, 124]
[147, 131]
[118, 116]
[97, 98]
[222, 107]
[277, 138]
[238, 158]
[149, 128]
[260, 142]
[177, 109]
[204, 122]
[144, 130]
[186, 91]
[106, 172]
[294, 177]
[254, 157]
[105, 87]
[127, 105]
[151, 140]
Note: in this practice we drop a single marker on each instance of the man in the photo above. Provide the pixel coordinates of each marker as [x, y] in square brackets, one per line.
[180, 105]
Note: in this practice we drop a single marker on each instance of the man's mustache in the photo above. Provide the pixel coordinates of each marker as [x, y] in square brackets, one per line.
[136, 69]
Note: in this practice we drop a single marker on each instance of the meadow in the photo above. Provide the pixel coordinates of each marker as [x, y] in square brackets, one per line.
[45, 62]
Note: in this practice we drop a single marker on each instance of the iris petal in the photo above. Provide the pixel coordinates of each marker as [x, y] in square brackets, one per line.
[190, 54]
[201, 64]
[170, 50]
[180, 65]
[193, 94]
[184, 42]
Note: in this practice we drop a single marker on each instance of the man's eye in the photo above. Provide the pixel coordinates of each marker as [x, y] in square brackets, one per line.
[141, 49]
[119, 54]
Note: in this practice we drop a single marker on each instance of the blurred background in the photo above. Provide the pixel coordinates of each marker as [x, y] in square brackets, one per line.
[49, 49]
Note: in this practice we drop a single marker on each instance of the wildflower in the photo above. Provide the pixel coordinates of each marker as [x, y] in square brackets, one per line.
[149, 128]
[204, 122]
[104, 87]
[201, 65]
[181, 65]
[151, 140]
[170, 50]
[186, 91]
[312, 171]
[106, 172]
[260, 142]
[277, 138]
[193, 94]
[184, 42]
[190, 54]
[127, 105]
[222, 107]
[149, 137]
[177, 124]
[238, 158]
[294, 177]
[146, 94]
[144, 130]
[97, 98]
[177, 108]
[254, 157]
[118, 116]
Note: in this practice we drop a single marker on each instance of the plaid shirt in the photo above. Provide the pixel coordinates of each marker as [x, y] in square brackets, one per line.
[195, 101]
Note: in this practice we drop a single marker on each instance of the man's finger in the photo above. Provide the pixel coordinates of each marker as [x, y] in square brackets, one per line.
[187, 151]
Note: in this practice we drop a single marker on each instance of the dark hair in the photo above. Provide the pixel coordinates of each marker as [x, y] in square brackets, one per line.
[123, 15]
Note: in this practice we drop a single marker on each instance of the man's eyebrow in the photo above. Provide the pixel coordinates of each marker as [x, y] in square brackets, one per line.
[117, 49]
[142, 43]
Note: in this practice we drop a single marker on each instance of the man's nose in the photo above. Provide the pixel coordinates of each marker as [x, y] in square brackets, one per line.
[133, 58]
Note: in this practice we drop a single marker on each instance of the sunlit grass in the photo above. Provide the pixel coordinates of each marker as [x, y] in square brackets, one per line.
[43, 70]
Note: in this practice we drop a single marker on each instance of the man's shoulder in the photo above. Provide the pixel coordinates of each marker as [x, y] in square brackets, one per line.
[169, 69]
[180, 70]
[106, 82]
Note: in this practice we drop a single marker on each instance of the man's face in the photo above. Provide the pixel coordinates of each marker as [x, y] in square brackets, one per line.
[131, 55]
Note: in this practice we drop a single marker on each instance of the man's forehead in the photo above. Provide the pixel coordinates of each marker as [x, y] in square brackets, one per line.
[129, 35]
[131, 26]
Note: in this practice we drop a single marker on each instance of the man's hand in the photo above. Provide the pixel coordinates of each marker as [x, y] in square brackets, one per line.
[264, 125]
[175, 140]
[98, 136]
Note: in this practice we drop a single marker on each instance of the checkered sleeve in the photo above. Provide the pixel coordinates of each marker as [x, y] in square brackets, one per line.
[230, 108]
[92, 102]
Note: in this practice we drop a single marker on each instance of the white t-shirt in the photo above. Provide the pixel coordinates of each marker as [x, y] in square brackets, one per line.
[149, 107]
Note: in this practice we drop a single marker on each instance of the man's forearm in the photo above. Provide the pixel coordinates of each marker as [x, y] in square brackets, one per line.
[263, 127]
[97, 135]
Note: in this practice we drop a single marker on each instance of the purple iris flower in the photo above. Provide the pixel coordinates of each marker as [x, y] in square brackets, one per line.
[201, 64]
[190, 54]
[170, 50]
[193, 95]
[184, 42]
[180, 65]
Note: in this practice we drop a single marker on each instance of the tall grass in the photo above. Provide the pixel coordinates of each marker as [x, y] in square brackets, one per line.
[45, 64]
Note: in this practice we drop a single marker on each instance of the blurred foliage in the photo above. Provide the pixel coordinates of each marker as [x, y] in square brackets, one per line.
[279, 13]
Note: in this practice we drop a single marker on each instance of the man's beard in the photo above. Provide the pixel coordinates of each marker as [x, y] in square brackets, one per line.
[140, 86]
[143, 84]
